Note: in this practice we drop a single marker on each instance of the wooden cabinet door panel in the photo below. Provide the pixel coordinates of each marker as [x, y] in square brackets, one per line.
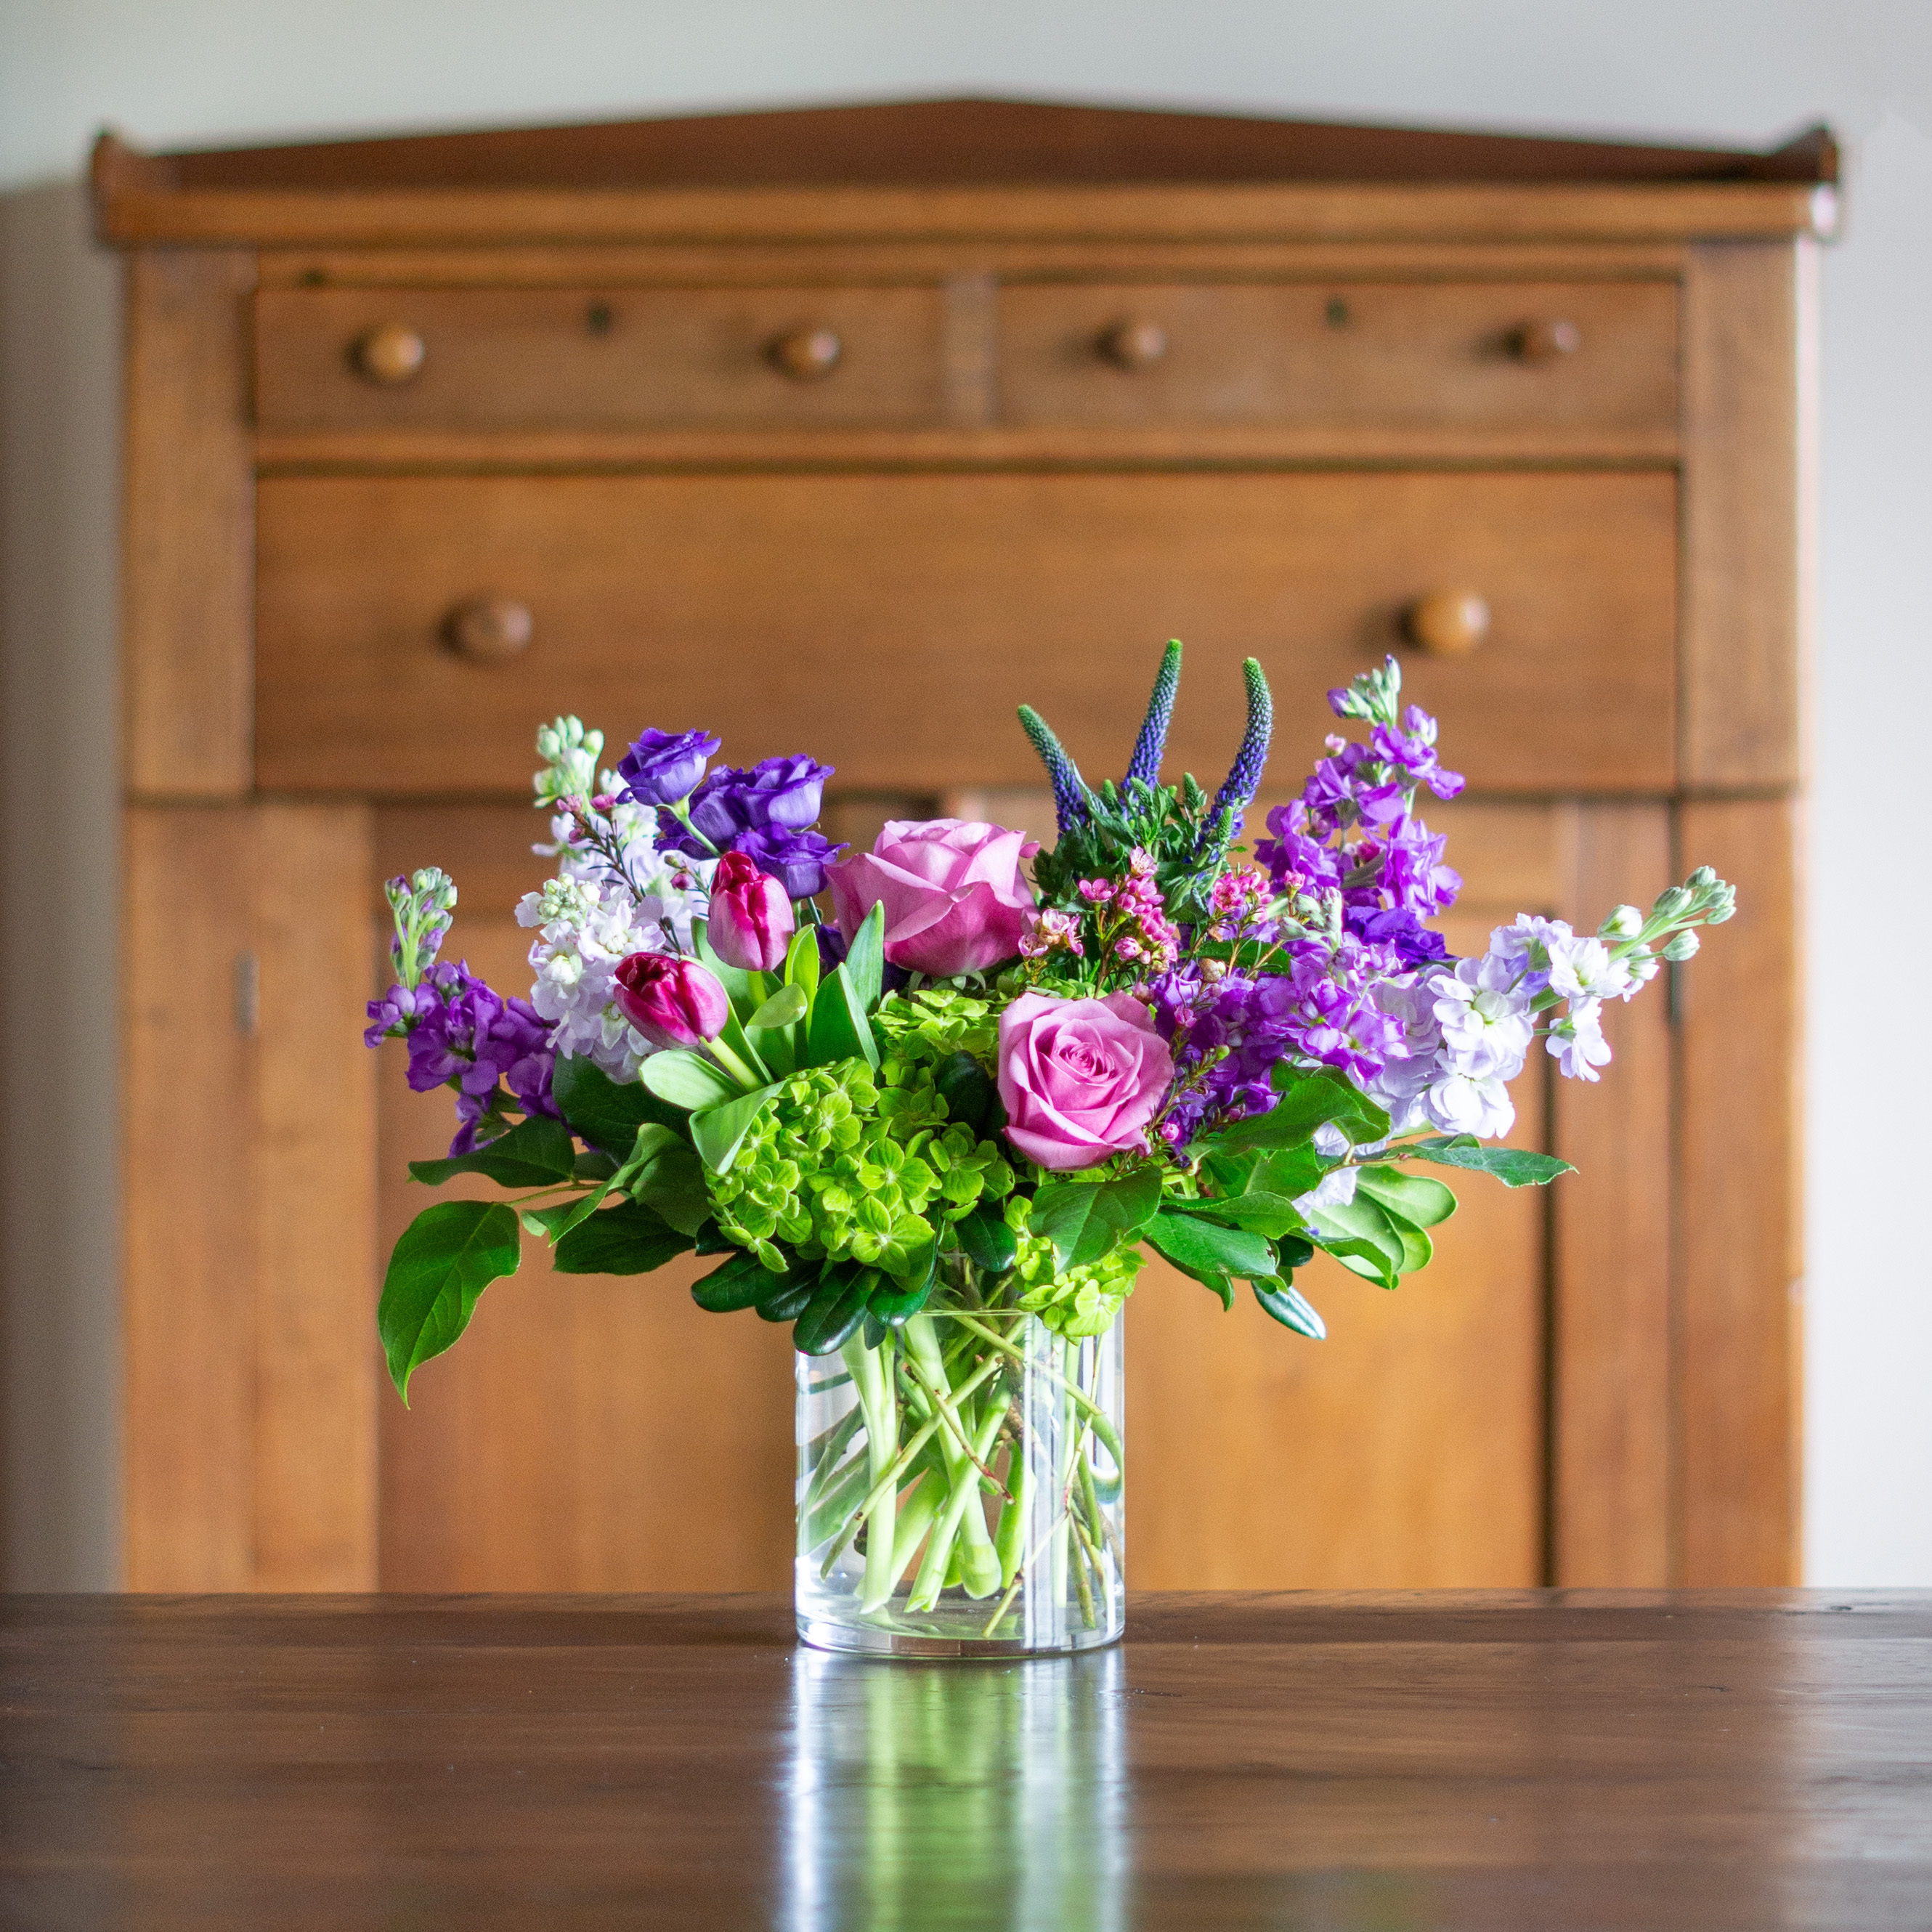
[1367, 355]
[890, 624]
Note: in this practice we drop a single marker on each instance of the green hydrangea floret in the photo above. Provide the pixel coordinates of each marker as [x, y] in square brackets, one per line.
[1083, 1300]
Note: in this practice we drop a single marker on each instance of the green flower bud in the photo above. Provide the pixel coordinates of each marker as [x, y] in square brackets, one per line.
[1625, 922]
[1702, 876]
[1672, 902]
[1680, 945]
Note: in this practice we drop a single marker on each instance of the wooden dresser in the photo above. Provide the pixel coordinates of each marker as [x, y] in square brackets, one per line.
[845, 431]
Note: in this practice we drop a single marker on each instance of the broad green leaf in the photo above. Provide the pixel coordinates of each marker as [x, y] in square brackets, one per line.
[968, 1091]
[1412, 1198]
[717, 1133]
[989, 1242]
[627, 1239]
[1514, 1167]
[664, 1174]
[1363, 1239]
[1417, 1249]
[1204, 1250]
[1086, 1220]
[834, 1311]
[838, 1029]
[801, 966]
[593, 1164]
[536, 1152]
[448, 1255]
[892, 1306]
[1290, 1307]
[1272, 1215]
[737, 1285]
[1293, 1171]
[787, 1004]
[1309, 1100]
[1301, 1089]
[788, 1297]
[606, 1112]
[865, 959]
[689, 1080]
[552, 1223]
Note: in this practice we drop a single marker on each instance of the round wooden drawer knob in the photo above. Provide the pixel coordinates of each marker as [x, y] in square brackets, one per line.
[1546, 341]
[1448, 623]
[488, 629]
[807, 354]
[390, 354]
[1133, 345]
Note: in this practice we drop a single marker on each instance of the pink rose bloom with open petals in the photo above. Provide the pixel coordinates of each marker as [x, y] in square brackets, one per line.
[955, 899]
[1080, 1079]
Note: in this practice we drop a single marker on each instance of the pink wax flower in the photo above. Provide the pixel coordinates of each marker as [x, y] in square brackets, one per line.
[955, 899]
[751, 922]
[672, 1002]
[1080, 1079]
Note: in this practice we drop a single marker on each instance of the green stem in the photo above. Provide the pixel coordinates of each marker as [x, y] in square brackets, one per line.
[1102, 1427]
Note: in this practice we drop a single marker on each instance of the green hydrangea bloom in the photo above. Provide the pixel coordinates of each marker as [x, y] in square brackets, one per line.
[1082, 1301]
[845, 1164]
[936, 1022]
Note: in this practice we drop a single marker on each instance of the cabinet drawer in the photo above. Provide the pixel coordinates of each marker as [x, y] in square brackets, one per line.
[1476, 355]
[457, 359]
[890, 625]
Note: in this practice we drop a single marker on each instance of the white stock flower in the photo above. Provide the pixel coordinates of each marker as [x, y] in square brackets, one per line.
[1485, 1018]
[1583, 969]
[1335, 1190]
[1398, 1088]
[1527, 943]
[1576, 1042]
[1460, 1105]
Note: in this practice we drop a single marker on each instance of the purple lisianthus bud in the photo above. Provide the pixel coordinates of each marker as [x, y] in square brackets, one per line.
[662, 767]
[752, 921]
[796, 859]
[717, 809]
[672, 1002]
[785, 791]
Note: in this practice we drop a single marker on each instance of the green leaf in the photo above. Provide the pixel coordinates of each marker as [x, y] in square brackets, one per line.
[664, 1173]
[988, 1242]
[553, 1223]
[802, 961]
[1412, 1198]
[1086, 1220]
[787, 1004]
[893, 1307]
[1203, 1250]
[593, 1164]
[605, 1112]
[1514, 1167]
[1291, 1308]
[536, 1152]
[835, 1309]
[719, 1132]
[839, 1028]
[1308, 1101]
[448, 1255]
[1359, 1232]
[1272, 1215]
[1293, 1171]
[689, 1080]
[968, 1091]
[737, 1284]
[627, 1239]
[788, 1296]
[865, 965]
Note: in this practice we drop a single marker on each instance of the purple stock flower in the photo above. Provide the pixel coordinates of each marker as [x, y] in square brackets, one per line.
[1295, 861]
[1412, 749]
[662, 766]
[460, 1031]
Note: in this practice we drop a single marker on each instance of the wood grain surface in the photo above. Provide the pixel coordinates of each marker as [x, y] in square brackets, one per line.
[1462, 1762]
[977, 592]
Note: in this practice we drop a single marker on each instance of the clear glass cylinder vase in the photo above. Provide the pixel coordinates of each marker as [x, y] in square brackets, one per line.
[960, 1484]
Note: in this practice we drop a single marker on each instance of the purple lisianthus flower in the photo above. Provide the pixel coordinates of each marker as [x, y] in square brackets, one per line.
[662, 767]
[796, 859]
[785, 792]
[776, 795]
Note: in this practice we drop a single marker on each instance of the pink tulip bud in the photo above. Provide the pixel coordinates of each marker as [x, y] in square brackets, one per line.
[672, 1002]
[751, 922]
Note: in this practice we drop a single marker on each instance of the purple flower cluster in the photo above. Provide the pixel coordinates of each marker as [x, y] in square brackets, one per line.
[765, 813]
[460, 1031]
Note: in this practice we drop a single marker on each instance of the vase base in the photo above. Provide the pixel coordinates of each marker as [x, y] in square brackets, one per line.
[864, 1640]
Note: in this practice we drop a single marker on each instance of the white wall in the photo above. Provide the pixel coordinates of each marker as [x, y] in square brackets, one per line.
[179, 72]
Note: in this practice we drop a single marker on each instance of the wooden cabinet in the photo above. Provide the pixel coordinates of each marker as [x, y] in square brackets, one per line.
[847, 431]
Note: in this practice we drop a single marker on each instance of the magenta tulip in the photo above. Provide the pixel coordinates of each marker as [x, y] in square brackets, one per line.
[672, 1002]
[751, 922]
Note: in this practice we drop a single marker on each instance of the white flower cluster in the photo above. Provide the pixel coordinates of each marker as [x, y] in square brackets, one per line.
[588, 920]
[1469, 1030]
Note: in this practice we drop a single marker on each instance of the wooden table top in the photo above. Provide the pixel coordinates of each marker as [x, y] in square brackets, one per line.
[1571, 1759]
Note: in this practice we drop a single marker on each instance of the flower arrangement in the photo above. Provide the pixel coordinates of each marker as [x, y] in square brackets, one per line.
[934, 1123]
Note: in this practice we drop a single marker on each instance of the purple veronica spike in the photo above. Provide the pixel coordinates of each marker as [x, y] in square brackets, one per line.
[1244, 779]
[1150, 746]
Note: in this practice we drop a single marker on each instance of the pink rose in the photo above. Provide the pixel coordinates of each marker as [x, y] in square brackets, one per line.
[751, 922]
[1080, 1079]
[954, 897]
[672, 1002]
